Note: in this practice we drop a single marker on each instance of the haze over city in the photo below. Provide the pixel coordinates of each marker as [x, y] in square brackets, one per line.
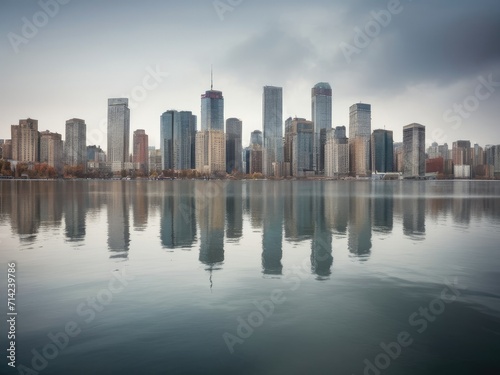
[422, 59]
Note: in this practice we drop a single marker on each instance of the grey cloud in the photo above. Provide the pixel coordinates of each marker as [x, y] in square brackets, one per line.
[272, 55]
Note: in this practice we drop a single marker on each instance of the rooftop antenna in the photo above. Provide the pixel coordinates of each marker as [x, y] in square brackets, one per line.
[211, 77]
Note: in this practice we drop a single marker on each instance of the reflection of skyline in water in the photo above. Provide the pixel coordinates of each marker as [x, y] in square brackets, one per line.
[212, 214]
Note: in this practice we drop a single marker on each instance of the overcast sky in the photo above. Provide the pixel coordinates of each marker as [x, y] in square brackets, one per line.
[413, 66]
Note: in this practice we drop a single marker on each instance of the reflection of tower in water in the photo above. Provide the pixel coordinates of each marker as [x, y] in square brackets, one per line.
[234, 211]
[140, 204]
[118, 220]
[413, 207]
[210, 209]
[383, 206]
[178, 218]
[25, 215]
[360, 226]
[272, 231]
[75, 194]
[298, 211]
[321, 244]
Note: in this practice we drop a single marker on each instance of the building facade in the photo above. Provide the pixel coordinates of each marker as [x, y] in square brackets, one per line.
[321, 108]
[359, 139]
[234, 160]
[141, 150]
[298, 148]
[413, 151]
[210, 152]
[25, 141]
[382, 147]
[177, 130]
[118, 133]
[337, 153]
[272, 124]
[75, 143]
[51, 149]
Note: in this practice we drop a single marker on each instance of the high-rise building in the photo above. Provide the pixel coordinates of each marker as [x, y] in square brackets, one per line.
[413, 151]
[2, 141]
[256, 138]
[176, 137]
[359, 139]
[7, 149]
[398, 157]
[210, 152]
[118, 133]
[25, 141]
[255, 159]
[272, 124]
[443, 151]
[233, 145]
[141, 154]
[321, 95]
[478, 156]
[337, 153]
[382, 146]
[299, 134]
[75, 143]
[212, 111]
[461, 153]
[51, 149]
[210, 144]
[96, 154]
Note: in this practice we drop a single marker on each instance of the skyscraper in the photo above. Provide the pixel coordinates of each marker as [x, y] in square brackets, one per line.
[140, 148]
[25, 141]
[413, 151]
[176, 137]
[299, 135]
[256, 138]
[382, 146]
[360, 125]
[75, 144]
[461, 153]
[337, 153]
[272, 124]
[51, 149]
[118, 133]
[210, 153]
[233, 145]
[321, 105]
[212, 111]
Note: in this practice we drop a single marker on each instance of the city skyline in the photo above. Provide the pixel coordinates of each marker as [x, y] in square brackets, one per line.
[418, 75]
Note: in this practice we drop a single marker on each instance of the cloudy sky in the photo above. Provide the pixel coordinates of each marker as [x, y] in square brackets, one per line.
[432, 62]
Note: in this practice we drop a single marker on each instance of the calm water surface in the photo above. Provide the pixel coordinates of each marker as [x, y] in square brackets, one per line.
[254, 277]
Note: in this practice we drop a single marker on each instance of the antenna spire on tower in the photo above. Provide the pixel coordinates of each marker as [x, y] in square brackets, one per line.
[211, 77]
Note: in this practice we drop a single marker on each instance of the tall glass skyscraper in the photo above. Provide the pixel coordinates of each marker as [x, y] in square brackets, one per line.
[413, 150]
[177, 130]
[212, 111]
[233, 145]
[272, 121]
[75, 143]
[322, 118]
[360, 128]
[118, 133]
[382, 145]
